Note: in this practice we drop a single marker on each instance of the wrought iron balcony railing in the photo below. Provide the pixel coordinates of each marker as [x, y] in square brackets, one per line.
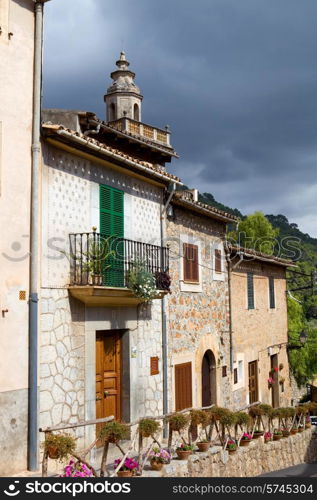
[98, 260]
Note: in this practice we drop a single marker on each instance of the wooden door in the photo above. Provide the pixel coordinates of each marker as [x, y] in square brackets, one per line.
[275, 385]
[108, 375]
[183, 386]
[253, 382]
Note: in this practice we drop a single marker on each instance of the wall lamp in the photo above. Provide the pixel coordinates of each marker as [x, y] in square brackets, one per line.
[302, 338]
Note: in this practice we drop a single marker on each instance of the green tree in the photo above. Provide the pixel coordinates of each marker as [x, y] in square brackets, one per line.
[257, 233]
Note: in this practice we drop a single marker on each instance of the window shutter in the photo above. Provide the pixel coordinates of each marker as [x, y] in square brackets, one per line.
[112, 226]
[218, 261]
[190, 263]
[183, 386]
[250, 285]
[272, 292]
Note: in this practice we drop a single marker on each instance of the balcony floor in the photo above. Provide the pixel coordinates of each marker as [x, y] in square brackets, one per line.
[102, 296]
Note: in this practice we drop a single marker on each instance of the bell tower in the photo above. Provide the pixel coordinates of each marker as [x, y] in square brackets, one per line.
[123, 97]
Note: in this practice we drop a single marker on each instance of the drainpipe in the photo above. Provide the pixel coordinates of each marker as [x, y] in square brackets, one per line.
[164, 321]
[34, 250]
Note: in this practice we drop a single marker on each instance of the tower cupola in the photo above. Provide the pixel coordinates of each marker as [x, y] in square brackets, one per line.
[123, 97]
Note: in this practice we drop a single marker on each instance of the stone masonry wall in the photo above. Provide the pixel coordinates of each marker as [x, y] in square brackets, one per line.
[253, 460]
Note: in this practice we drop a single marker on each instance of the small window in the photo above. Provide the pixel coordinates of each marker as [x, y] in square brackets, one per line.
[191, 269]
[235, 376]
[250, 280]
[272, 292]
[218, 266]
[136, 113]
[224, 371]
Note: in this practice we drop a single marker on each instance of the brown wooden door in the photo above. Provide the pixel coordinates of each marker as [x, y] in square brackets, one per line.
[108, 375]
[183, 386]
[275, 388]
[253, 382]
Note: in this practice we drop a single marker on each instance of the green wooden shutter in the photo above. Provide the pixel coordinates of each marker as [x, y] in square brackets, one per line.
[112, 228]
[272, 292]
[250, 291]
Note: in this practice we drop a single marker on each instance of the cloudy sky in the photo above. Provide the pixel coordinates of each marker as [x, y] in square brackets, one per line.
[235, 79]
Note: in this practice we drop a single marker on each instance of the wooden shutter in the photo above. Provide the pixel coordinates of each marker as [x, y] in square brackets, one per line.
[272, 292]
[250, 285]
[218, 266]
[253, 382]
[183, 386]
[112, 228]
[191, 264]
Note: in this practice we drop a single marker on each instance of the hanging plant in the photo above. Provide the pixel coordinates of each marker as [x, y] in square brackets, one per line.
[59, 446]
[114, 432]
[163, 281]
[270, 382]
[242, 418]
[141, 281]
[178, 421]
[148, 427]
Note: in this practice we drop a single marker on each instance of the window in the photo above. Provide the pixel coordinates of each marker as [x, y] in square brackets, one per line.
[191, 270]
[218, 267]
[250, 282]
[235, 376]
[136, 113]
[240, 370]
[224, 371]
[272, 292]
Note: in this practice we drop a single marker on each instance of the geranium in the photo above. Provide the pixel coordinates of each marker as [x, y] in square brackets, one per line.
[231, 445]
[160, 455]
[276, 369]
[267, 436]
[128, 464]
[185, 447]
[246, 436]
[76, 469]
[270, 380]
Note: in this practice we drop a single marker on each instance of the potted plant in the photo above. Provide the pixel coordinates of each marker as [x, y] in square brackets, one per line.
[148, 427]
[285, 432]
[141, 281]
[270, 382]
[203, 445]
[178, 421]
[184, 450]
[159, 457]
[257, 433]
[114, 432]
[307, 422]
[163, 281]
[128, 467]
[96, 256]
[277, 434]
[59, 446]
[76, 469]
[267, 437]
[294, 430]
[246, 439]
[300, 428]
[231, 446]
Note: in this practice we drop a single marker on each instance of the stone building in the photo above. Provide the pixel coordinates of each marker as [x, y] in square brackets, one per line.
[259, 328]
[198, 328]
[17, 49]
[101, 349]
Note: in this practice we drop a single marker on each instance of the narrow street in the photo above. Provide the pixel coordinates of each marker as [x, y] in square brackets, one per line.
[302, 470]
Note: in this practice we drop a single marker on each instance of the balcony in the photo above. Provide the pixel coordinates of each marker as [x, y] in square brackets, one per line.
[143, 131]
[101, 267]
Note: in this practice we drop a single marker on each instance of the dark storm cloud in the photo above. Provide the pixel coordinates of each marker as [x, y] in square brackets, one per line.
[236, 80]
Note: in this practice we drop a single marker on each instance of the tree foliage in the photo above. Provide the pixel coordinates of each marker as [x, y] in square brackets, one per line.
[257, 233]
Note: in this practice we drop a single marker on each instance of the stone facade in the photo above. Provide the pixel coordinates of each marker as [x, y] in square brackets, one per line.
[198, 314]
[261, 332]
[258, 458]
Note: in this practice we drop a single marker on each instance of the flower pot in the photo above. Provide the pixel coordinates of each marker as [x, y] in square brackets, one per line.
[183, 455]
[257, 435]
[203, 446]
[294, 431]
[300, 429]
[231, 450]
[53, 452]
[244, 442]
[286, 434]
[277, 437]
[124, 473]
[156, 465]
[96, 279]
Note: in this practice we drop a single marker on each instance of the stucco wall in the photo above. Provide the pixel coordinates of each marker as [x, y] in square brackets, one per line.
[16, 69]
[255, 330]
[198, 319]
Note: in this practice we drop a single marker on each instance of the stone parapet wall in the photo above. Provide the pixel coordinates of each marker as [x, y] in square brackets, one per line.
[256, 459]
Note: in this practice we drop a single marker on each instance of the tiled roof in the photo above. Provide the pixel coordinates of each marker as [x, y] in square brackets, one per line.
[203, 208]
[60, 130]
[248, 252]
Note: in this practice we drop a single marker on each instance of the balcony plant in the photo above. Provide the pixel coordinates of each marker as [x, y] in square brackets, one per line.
[231, 446]
[141, 281]
[59, 446]
[163, 281]
[184, 450]
[246, 439]
[95, 258]
[159, 457]
[114, 432]
[128, 468]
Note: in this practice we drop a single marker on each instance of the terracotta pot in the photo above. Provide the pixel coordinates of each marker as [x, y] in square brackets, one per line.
[257, 435]
[156, 465]
[203, 446]
[124, 473]
[245, 442]
[277, 437]
[231, 450]
[286, 434]
[183, 455]
[294, 431]
[300, 429]
[53, 452]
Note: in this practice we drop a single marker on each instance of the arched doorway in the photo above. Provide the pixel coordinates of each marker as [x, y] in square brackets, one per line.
[209, 382]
